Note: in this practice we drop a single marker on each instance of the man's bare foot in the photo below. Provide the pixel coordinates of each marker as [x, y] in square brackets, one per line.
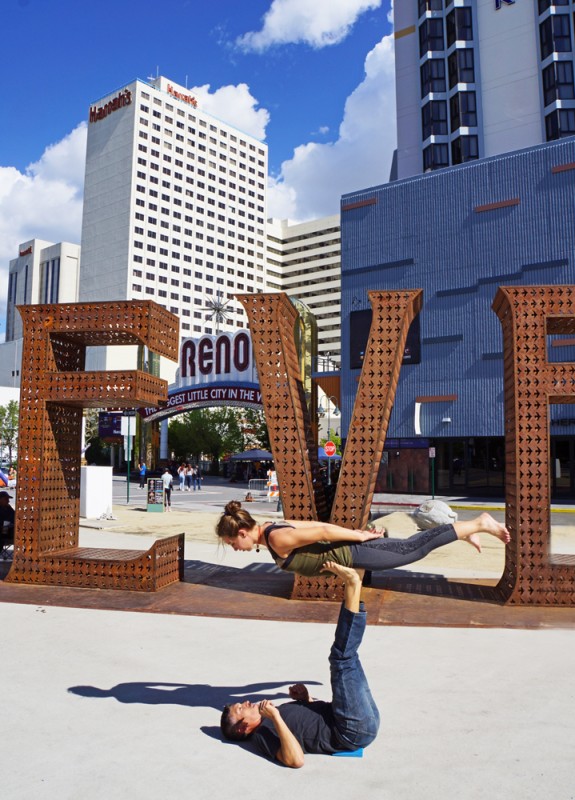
[487, 524]
[347, 574]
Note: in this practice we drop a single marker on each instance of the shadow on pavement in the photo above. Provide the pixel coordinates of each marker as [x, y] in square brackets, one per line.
[187, 694]
[254, 578]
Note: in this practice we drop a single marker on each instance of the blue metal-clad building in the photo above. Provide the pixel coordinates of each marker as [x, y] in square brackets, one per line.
[458, 234]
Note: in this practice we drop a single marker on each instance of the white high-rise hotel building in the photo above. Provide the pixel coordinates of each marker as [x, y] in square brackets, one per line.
[477, 78]
[174, 208]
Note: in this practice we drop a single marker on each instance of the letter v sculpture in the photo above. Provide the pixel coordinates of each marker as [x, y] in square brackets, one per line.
[272, 319]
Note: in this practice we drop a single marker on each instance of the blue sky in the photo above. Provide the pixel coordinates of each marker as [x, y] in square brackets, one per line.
[312, 78]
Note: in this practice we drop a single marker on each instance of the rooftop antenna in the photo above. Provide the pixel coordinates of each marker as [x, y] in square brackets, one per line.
[186, 81]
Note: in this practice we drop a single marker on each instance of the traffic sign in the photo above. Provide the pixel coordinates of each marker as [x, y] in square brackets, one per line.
[330, 449]
[432, 452]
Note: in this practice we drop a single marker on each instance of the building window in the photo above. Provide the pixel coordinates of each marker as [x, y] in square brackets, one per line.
[460, 67]
[463, 110]
[429, 5]
[434, 118]
[464, 148]
[433, 76]
[431, 35]
[560, 123]
[558, 82]
[545, 4]
[458, 26]
[435, 156]
[555, 35]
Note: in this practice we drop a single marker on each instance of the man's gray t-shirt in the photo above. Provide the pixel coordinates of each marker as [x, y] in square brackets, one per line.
[311, 723]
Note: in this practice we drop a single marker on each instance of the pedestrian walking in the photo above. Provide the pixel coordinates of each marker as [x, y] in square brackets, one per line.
[189, 477]
[168, 485]
[143, 471]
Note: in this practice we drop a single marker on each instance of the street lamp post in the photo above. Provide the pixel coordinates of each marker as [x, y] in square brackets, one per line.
[321, 412]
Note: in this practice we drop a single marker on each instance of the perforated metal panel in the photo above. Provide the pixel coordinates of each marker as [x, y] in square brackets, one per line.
[54, 390]
[272, 320]
[528, 315]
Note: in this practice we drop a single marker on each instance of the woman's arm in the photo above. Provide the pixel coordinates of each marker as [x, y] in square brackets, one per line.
[284, 540]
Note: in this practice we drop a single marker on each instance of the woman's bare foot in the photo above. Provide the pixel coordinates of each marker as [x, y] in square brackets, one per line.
[474, 540]
[487, 524]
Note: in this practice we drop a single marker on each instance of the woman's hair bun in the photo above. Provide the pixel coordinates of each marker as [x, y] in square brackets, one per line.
[233, 507]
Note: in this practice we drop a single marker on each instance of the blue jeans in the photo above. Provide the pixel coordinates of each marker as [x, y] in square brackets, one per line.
[355, 714]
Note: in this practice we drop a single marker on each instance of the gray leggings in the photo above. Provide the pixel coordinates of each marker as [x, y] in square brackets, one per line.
[379, 554]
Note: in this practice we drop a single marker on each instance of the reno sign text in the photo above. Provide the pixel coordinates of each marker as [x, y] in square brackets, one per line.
[225, 357]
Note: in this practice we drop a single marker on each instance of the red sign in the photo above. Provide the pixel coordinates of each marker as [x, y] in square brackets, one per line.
[27, 251]
[330, 449]
[124, 98]
[187, 98]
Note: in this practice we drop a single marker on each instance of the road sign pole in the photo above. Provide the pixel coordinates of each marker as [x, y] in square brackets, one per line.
[432, 458]
[128, 472]
[128, 427]
[330, 451]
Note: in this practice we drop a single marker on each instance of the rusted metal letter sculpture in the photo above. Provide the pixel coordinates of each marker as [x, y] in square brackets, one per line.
[272, 320]
[55, 389]
[529, 314]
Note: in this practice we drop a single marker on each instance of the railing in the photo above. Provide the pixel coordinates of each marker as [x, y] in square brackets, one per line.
[258, 486]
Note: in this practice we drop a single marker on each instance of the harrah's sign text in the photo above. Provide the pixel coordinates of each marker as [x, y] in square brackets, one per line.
[101, 112]
[186, 98]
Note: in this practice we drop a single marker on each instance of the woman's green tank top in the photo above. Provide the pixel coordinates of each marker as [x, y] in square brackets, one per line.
[310, 559]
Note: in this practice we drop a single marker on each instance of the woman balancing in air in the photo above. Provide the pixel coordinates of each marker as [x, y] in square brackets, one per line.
[304, 547]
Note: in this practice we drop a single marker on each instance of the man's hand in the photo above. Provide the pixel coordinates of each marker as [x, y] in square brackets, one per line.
[290, 751]
[268, 710]
[299, 692]
[368, 535]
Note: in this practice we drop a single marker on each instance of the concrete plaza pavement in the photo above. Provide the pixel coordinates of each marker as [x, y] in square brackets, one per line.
[119, 705]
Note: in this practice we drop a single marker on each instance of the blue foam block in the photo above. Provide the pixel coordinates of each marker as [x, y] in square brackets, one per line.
[350, 753]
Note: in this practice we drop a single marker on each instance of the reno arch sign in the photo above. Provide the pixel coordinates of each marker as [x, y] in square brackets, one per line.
[214, 371]
[212, 357]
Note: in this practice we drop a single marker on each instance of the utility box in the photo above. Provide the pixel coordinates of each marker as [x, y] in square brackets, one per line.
[95, 491]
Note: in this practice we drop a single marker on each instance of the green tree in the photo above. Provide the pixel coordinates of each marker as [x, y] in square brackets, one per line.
[254, 429]
[9, 429]
[97, 451]
[205, 433]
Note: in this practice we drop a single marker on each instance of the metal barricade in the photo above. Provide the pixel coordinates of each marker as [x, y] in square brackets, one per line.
[258, 486]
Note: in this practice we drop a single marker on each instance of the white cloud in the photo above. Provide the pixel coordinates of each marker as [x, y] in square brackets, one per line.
[318, 23]
[44, 202]
[311, 183]
[235, 105]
